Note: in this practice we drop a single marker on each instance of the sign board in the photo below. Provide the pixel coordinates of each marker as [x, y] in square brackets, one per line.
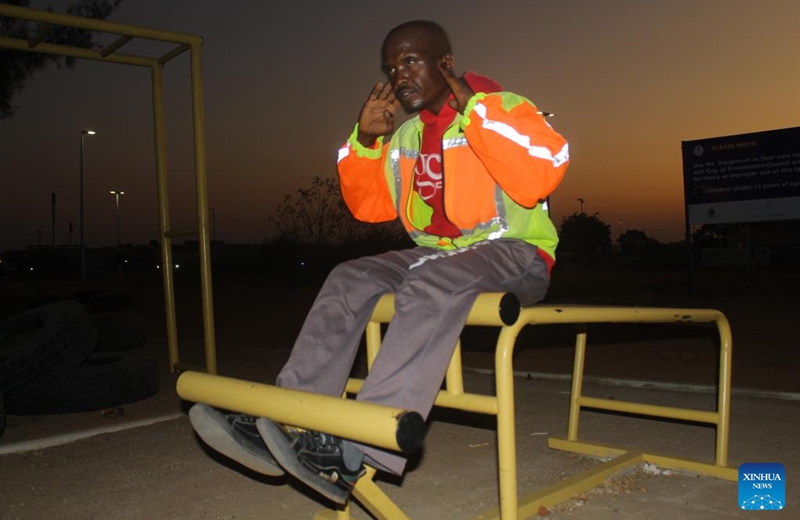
[743, 178]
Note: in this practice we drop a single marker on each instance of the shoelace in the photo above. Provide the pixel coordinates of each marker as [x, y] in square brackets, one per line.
[319, 442]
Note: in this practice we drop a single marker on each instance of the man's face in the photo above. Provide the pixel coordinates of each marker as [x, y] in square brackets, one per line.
[414, 74]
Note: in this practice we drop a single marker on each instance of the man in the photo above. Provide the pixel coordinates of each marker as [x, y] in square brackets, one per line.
[467, 177]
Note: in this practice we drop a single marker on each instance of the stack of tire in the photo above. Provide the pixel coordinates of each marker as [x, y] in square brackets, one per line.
[56, 359]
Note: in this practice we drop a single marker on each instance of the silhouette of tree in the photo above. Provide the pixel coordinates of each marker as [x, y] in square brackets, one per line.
[319, 215]
[588, 237]
[17, 67]
[634, 242]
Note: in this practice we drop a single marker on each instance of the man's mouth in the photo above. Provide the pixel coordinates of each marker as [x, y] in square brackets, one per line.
[405, 92]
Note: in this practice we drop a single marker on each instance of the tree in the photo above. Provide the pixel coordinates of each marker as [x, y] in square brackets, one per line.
[318, 215]
[588, 237]
[17, 67]
[636, 243]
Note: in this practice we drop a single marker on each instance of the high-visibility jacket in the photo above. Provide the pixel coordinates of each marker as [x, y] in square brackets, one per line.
[500, 161]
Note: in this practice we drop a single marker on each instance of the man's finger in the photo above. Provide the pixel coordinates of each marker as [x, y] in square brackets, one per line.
[376, 91]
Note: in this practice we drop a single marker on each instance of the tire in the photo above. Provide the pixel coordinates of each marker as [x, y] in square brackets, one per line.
[39, 344]
[104, 300]
[118, 333]
[105, 380]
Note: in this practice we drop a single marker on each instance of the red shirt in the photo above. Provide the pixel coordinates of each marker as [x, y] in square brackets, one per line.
[429, 170]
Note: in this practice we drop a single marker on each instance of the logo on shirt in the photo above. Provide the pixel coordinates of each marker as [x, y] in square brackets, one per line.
[429, 175]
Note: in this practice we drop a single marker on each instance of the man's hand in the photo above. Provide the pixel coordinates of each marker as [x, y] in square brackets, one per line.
[377, 114]
[462, 92]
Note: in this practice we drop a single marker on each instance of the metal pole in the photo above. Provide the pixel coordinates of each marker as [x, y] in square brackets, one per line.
[116, 200]
[83, 246]
[83, 249]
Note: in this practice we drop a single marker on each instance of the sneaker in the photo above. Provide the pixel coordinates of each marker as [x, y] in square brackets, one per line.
[314, 458]
[235, 436]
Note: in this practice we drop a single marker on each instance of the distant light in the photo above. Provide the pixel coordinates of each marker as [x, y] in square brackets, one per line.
[126, 261]
[115, 192]
[91, 132]
[177, 266]
[158, 267]
[31, 268]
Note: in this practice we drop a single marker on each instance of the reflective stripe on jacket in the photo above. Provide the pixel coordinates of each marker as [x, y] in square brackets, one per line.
[500, 159]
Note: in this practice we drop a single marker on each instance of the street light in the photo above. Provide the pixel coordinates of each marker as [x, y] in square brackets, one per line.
[116, 195]
[83, 245]
[581, 201]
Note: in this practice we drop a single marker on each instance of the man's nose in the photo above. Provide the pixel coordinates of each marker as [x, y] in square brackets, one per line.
[400, 77]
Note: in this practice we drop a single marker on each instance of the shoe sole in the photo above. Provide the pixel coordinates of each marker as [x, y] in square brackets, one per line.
[281, 449]
[215, 431]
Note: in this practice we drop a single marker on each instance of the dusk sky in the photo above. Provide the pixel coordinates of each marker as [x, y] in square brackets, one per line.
[628, 81]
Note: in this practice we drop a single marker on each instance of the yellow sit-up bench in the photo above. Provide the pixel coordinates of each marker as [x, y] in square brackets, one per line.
[398, 430]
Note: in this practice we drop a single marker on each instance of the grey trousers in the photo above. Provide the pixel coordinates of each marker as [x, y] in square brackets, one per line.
[434, 292]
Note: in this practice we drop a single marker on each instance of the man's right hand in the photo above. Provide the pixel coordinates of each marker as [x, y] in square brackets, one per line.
[377, 115]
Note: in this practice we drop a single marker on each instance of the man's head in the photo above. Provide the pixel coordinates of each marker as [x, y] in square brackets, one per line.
[410, 55]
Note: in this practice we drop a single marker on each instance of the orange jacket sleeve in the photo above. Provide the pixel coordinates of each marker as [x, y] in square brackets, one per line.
[363, 180]
[520, 150]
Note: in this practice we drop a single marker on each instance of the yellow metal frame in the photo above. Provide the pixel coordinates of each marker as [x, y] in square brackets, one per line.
[513, 507]
[363, 422]
[184, 42]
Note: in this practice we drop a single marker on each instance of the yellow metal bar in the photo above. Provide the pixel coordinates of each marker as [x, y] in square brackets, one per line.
[667, 412]
[116, 44]
[329, 514]
[506, 428]
[489, 309]
[92, 24]
[724, 392]
[577, 386]
[373, 340]
[570, 314]
[693, 466]
[163, 215]
[198, 118]
[74, 52]
[369, 423]
[569, 487]
[454, 376]
[375, 500]
[40, 35]
[662, 461]
[602, 451]
[177, 51]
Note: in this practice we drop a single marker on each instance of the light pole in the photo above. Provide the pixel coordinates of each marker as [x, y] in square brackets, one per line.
[83, 245]
[581, 201]
[619, 221]
[116, 195]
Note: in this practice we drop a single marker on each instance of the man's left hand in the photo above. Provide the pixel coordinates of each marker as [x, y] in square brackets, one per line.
[462, 92]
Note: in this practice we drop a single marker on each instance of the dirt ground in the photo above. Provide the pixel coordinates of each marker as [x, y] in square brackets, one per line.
[147, 463]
